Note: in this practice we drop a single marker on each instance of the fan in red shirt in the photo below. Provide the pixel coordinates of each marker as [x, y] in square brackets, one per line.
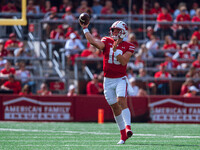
[3, 51]
[191, 92]
[196, 18]
[9, 8]
[12, 41]
[12, 84]
[196, 63]
[146, 9]
[194, 44]
[108, 8]
[169, 44]
[71, 30]
[43, 90]
[94, 87]
[47, 7]
[182, 32]
[164, 29]
[197, 34]
[64, 5]
[185, 86]
[170, 63]
[117, 53]
[156, 9]
[162, 85]
[7, 70]
[25, 90]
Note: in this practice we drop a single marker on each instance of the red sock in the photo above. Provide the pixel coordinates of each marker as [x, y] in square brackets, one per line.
[123, 135]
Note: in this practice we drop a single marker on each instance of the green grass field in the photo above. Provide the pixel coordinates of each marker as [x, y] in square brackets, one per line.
[92, 136]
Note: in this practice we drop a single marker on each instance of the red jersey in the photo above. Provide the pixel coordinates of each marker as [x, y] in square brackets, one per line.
[196, 19]
[15, 86]
[194, 46]
[164, 17]
[155, 11]
[93, 88]
[15, 43]
[185, 55]
[181, 17]
[160, 74]
[11, 71]
[9, 9]
[56, 35]
[196, 64]
[169, 46]
[197, 34]
[111, 67]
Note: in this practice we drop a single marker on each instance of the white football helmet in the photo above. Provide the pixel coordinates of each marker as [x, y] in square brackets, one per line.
[123, 30]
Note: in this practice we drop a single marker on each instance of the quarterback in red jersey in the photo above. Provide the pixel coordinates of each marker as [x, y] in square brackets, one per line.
[116, 56]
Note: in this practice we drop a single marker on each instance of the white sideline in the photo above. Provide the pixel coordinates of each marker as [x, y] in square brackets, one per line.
[94, 133]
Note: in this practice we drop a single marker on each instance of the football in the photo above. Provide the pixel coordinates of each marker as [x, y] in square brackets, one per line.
[84, 18]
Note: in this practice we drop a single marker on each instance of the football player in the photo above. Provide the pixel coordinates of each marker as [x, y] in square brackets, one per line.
[117, 53]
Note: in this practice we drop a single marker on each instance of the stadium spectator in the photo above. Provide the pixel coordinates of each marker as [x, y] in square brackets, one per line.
[150, 32]
[57, 34]
[25, 91]
[169, 8]
[194, 44]
[193, 11]
[192, 73]
[185, 86]
[95, 34]
[169, 43]
[9, 7]
[192, 91]
[122, 11]
[68, 16]
[71, 30]
[144, 52]
[139, 63]
[184, 53]
[156, 9]
[196, 19]
[183, 30]
[170, 63]
[8, 69]
[197, 34]
[2, 62]
[134, 10]
[12, 84]
[83, 8]
[24, 76]
[164, 29]
[132, 39]
[196, 63]
[108, 8]
[71, 91]
[94, 87]
[12, 41]
[151, 87]
[44, 91]
[163, 84]
[152, 45]
[73, 46]
[47, 7]
[31, 9]
[96, 7]
[146, 9]
[52, 15]
[130, 72]
[177, 11]
[134, 90]
[65, 4]
[3, 51]
[116, 56]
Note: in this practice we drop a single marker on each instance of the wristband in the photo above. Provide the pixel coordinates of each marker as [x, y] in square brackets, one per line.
[117, 52]
[85, 30]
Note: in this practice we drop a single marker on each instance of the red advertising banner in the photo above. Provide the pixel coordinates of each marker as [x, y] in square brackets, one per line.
[174, 109]
[37, 108]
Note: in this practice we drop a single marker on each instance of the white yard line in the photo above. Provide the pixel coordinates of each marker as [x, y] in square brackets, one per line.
[94, 133]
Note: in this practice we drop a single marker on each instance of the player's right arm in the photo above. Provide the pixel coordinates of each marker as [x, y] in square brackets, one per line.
[96, 43]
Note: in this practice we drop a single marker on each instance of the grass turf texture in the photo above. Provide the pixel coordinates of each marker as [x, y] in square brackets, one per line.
[93, 136]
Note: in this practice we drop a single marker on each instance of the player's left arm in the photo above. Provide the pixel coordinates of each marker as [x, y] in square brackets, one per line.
[124, 59]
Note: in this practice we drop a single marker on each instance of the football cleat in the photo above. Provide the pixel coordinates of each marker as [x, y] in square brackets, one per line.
[129, 133]
[123, 137]
[121, 142]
